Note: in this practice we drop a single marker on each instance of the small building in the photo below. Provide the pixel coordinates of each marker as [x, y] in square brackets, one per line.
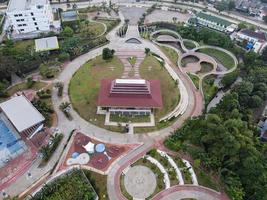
[256, 39]
[29, 16]
[211, 21]
[23, 116]
[129, 96]
[71, 15]
[46, 44]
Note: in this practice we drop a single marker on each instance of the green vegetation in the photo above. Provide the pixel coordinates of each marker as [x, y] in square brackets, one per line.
[185, 172]
[48, 150]
[85, 84]
[169, 90]
[226, 60]
[23, 86]
[123, 189]
[132, 60]
[165, 163]
[109, 23]
[209, 89]
[99, 183]
[195, 79]
[226, 139]
[126, 119]
[170, 53]
[189, 59]
[189, 45]
[205, 67]
[107, 54]
[73, 185]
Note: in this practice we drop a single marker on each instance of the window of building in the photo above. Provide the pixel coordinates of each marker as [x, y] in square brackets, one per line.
[20, 25]
[24, 24]
[35, 23]
[32, 14]
[21, 29]
[15, 15]
[37, 28]
[18, 20]
[33, 18]
[22, 20]
[20, 15]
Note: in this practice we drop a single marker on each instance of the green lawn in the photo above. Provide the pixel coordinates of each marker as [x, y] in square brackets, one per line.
[189, 45]
[209, 89]
[91, 29]
[185, 173]
[170, 53]
[205, 67]
[126, 119]
[109, 23]
[226, 60]
[99, 182]
[150, 68]
[206, 180]
[23, 86]
[85, 84]
[194, 79]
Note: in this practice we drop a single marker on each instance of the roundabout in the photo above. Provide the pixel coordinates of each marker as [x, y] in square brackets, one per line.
[140, 182]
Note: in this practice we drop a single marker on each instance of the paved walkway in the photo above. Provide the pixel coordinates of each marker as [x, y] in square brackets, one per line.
[189, 191]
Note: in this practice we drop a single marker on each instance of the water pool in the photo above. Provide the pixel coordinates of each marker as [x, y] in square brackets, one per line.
[10, 144]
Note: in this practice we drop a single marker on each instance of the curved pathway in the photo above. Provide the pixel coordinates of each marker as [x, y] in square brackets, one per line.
[179, 192]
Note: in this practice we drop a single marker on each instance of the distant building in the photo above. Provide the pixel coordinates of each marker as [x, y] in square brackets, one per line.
[23, 116]
[256, 39]
[129, 96]
[211, 21]
[29, 16]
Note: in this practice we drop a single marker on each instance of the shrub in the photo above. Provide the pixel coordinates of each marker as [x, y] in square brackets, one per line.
[67, 32]
[107, 53]
[64, 56]
[30, 82]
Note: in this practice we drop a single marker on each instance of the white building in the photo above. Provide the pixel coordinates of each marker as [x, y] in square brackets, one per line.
[212, 22]
[257, 38]
[24, 117]
[30, 16]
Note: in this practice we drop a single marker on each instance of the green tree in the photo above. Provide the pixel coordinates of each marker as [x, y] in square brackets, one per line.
[107, 54]
[67, 32]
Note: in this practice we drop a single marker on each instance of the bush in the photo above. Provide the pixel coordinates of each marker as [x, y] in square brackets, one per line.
[30, 82]
[107, 54]
[64, 56]
[67, 32]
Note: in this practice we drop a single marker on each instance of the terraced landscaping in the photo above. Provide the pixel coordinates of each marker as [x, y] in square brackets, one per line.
[222, 57]
[170, 53]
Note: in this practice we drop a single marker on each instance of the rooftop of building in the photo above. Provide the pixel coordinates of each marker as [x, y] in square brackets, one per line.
[130, 93]
[70, 15]
[46, 44]
[21, 113]
[254, 34]
[16, 5]
[213, 18]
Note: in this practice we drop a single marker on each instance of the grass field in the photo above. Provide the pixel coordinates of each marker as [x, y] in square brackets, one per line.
[194, 79]
[92, 29]
[170, 53]
[189, 45]
[226, 60]
[126, 119]
[85, 84]
[23, 86]
[99, 183]
[150, 68]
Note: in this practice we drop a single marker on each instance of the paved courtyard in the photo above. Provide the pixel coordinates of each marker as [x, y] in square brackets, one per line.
[166, 16]
[140, 182]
